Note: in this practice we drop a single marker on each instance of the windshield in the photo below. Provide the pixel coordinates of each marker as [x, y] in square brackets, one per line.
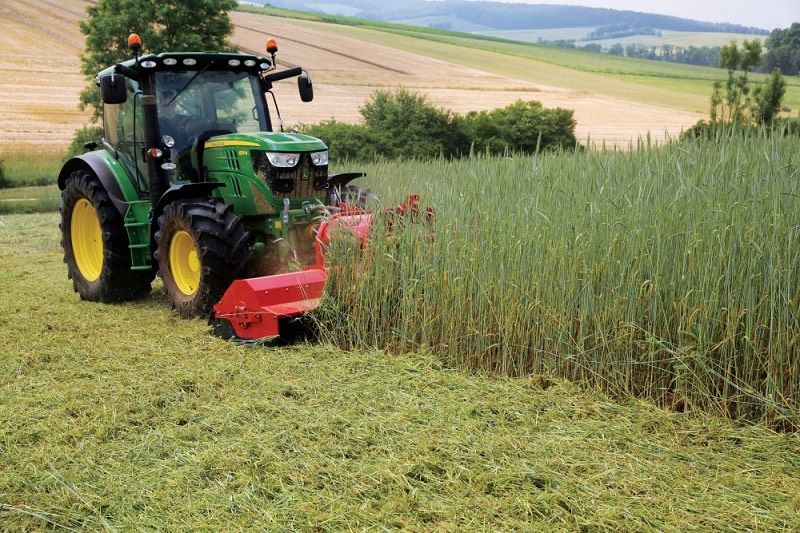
[193, 102]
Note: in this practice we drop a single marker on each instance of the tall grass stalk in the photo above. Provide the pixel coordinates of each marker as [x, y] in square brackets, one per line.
[670, 273]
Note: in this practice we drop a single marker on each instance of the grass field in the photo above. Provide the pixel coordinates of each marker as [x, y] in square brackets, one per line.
[33, 167]
[36, 199]
[436, 398]
[31, 179]
[576, 33]
[680, 38]
[118, 417]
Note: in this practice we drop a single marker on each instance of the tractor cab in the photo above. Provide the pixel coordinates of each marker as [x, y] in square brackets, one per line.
[194, 106]
[197, 96]
[194, 182]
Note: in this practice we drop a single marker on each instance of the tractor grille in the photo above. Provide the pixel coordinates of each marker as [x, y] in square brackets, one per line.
[303, 181]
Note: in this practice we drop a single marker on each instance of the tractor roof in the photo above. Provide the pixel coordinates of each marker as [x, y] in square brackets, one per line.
[181, 61]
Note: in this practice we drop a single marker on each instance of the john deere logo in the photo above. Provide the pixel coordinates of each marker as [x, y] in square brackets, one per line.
[304, 175]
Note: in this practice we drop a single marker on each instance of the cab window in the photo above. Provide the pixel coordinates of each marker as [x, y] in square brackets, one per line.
[124, 127]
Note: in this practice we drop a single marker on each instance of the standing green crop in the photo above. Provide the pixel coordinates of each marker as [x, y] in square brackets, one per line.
[670, 273]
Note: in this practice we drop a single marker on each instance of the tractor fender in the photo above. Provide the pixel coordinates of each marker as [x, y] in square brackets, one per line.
[342, 179]
[339, 181]
[94, 162]
[184, 191]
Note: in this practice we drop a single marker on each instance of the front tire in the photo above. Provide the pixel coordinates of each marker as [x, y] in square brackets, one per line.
[95, 243]
[202, 247]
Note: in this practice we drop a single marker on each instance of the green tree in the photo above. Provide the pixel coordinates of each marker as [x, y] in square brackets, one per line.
[731, 101]
[522, 127]
[405, 125]
[783, 47]
[736, 101]
[617, 49]
[174, 25]
[768, 98]
[346, 142]
[3, 181]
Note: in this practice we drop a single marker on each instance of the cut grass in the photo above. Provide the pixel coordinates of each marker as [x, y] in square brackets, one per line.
[124, 416]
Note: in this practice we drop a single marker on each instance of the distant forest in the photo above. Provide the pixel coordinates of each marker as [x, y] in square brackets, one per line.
[782, 50]
[505, 16]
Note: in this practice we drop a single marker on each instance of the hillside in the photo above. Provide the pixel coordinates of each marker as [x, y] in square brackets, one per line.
[580, 36]
[40, 75]
[615, 99]
[452, 76]
[457, 14]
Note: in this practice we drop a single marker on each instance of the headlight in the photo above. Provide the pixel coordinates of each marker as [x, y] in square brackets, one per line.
[319, 158]
[278, 159]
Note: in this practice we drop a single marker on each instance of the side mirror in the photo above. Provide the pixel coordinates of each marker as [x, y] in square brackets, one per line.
[112, 89]
[305, 87]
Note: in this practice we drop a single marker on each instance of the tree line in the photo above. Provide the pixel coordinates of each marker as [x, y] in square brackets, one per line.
[782, 50]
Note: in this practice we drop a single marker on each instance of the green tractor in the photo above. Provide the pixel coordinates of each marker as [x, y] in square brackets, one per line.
[193, 182]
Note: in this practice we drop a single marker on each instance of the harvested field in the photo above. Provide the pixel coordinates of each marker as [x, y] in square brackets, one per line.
[123, 417]
[344, 82]
[347, 66]
[40, 77]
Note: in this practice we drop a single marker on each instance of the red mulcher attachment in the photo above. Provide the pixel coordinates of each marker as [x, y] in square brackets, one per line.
[251, 308]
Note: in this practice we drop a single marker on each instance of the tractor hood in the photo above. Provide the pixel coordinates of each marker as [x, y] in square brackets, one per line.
[268, 141]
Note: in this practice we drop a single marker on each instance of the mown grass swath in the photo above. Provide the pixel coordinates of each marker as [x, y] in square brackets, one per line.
[671, 273]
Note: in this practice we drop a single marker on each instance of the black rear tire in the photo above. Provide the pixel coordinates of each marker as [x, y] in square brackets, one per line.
[113, 280]
[218, 251]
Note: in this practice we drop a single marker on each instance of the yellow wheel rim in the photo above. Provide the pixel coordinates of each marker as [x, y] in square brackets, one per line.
[184, 262]
[87, 239]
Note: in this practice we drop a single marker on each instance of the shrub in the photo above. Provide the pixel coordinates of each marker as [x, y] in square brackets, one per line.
[4, 182]
[345, 141]
[405, 125]
[522, 127]
[80, 137]
[718, 131]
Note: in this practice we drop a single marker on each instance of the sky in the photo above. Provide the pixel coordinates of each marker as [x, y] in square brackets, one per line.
[767, 14]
